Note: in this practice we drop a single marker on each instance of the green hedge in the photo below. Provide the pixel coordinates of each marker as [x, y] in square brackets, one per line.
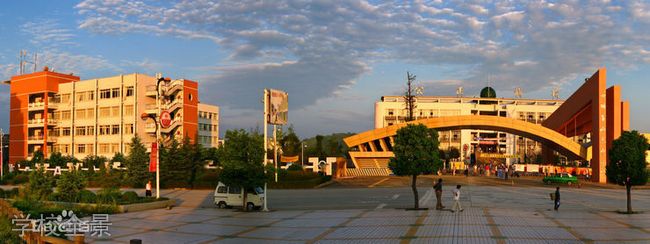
[7, 235]
[298, 180]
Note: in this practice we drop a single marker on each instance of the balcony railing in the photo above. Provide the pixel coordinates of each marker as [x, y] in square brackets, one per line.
[36, 105]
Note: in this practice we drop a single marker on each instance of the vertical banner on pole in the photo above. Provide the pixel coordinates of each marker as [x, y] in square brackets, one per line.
[153, 157]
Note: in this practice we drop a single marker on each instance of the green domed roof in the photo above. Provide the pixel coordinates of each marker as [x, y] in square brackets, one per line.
[488, 92]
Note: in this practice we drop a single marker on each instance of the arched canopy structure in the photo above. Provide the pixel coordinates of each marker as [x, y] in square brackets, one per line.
[379, 141]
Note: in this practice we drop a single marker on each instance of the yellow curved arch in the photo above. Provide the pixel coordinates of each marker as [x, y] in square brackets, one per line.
[546, 136]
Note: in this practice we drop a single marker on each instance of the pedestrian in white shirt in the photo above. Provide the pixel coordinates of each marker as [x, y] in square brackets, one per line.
[456, 206]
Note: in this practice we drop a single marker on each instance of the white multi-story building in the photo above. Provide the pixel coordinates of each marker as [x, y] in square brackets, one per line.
[392, 110]
[101, 116]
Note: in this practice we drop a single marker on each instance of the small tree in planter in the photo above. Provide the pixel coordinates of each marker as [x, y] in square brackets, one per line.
[416, 153]
[242, 156]
[69, 185]
[627, 165]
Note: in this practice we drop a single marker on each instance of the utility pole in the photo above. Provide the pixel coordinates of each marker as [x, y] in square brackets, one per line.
[2, 154]
[266, 194]
[275, 152]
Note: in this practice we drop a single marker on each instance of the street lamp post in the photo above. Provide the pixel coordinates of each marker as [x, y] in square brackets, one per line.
[302, 154]
[2, 154]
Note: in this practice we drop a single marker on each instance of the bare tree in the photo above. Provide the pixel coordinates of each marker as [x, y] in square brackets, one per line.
[409, 96]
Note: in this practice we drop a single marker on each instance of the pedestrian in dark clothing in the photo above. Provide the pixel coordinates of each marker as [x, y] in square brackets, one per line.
[557, 198]
[438, 188]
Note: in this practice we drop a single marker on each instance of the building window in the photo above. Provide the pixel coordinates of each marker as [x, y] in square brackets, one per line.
[91, 95]
[80, 131]
[65, 98]
[115, 148]
[104, 93]
[129, 91]
[128, 129]
[115, 129]
[104, 129]
[104, 148]
[90, 130]
[90, 113]
[81, 96]
[81, 114]
[128, 110]
[65, 131]
[115, 111]
[65, 115]
[81, 148]
[115, 92]
[105, 112]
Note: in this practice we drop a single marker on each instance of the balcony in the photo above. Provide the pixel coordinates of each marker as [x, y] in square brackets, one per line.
[176, 104]
[35, 106]
[35, 139]
[151, 91]
[151, 109]
[35, 123]
[175, 123]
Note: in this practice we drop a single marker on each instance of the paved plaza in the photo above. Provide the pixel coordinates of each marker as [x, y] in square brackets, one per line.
[494, 214]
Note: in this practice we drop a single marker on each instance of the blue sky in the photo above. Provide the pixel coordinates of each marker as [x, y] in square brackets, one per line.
[336, 58]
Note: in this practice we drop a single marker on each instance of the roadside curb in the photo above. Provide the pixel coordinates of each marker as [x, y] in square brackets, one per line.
[324, 184]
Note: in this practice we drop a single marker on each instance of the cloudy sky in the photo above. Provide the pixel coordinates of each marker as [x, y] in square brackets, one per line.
[336, 58]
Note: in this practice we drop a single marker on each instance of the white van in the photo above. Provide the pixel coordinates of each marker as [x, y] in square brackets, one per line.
[229, 196]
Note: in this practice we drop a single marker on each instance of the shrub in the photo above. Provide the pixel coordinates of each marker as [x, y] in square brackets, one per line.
[20, 179]
[11, 193]
[56, 196]
[2, 193]
[40, 185]
[7, 235]
[130, 197]
[109, 195]
[294, 167]
[69, 185]
[86, 196]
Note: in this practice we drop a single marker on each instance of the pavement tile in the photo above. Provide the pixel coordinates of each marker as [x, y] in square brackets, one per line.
[115, 232]
[241, 221]
[324, 222]
[435, 231]
[394, 213]
[167, 237]
[554, 232]
[623, 242]
[389, 232]
[590, 223]
[182, 218]
[510, 221]
[285, 233]
[239, 240]
[545, 241]
[208, 229]
[373, 241]
[472, 230]
[603, 234]
[331, 214]
[383, 221]
[519, 232]
[439, 220]
[270, 215]
[446, 240]
[145, 224]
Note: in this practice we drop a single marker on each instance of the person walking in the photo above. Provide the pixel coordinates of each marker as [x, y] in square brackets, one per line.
[557, 198]
[438, 189]
[456, 206]
[147, 192]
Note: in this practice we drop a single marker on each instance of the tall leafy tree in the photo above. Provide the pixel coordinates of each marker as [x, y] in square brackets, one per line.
[137, 163]
[627, 165]
[454, 153]
[416, 153]
[242, 156]
[319, 146]
[56, 159]
[170, 157]
[290, 143]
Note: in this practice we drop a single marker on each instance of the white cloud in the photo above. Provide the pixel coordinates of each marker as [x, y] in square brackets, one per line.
[322, 47]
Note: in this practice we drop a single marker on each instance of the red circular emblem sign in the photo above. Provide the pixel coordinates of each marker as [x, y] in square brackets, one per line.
[165, 119]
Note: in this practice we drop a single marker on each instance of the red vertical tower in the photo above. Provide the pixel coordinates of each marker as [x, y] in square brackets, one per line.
[32, 103]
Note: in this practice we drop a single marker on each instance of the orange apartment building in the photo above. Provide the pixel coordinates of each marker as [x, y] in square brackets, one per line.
[55, 112]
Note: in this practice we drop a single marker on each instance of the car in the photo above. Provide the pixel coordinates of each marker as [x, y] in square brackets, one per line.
[231, 196]
[561, 178]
